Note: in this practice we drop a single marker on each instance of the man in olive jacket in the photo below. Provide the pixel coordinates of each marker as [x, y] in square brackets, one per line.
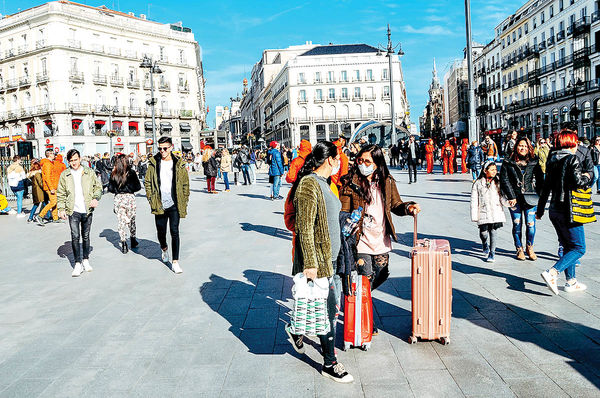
[167, 187]
[77, 196]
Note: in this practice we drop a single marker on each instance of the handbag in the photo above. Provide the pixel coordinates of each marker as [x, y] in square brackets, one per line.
[582, 206]
[531, 198]
[309, 316]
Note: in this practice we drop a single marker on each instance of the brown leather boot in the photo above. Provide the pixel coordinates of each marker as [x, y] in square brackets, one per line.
[531, 253]
[520, 254]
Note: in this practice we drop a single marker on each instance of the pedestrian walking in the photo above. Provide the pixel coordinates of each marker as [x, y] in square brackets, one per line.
[511, 141]
[475, 159]
[521, 181]
[564, 176]
[429, 153]
[167, 189]
[244, 156]
[124, 183]
[490, 149]
[225, 167]
[50, 181]
[16, 180]
[448, 157]
[77, 196]
[275, 170]
[318, 239]
[464, 148]
[37, 190]
[542, 150]
[595, 150]
[252, 169]
[298, 162]
[486, 208]
[370, 186]
[104, 168]
[413, 157]
[209, 163]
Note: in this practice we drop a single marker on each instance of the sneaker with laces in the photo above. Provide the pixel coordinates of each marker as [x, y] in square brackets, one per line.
[175, 267]
[574, 287]
[491, 258]
[77, 270]
[550, 281]
[337, 373]
[165, 256]
[86, 265]
[295, 340]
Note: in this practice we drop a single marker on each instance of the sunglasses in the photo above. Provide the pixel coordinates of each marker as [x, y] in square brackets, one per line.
[163, 148]
[363, 161]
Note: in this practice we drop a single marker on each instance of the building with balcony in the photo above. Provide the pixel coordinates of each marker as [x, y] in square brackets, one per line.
[70, 73]
[322, 91]
[488, 87]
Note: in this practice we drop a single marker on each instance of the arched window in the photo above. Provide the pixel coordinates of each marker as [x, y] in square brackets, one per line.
[303, 113]
[587, 110]
[554, 115]
[100, 100]
[147, 102]
[15, 102]
[46, 97]
[388, 110]
[2, 104]
[116, 98]
[371, 110]
[320, 113]
[358, 111]
[332, 112]
[27, 99]
[132, 101]
[164, 104]
[182, 103]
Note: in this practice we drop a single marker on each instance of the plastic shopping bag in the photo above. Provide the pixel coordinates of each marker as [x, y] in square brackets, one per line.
[309, 316]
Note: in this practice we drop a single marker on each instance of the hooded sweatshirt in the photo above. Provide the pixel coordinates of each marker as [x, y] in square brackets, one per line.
[298, 162]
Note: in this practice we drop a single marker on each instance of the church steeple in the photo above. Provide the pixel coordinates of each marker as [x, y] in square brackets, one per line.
[435, 81]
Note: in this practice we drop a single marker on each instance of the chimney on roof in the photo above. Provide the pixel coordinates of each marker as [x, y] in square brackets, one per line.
[143, 16]
[131, 14]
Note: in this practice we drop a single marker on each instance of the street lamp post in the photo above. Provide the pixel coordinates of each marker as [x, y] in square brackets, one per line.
[514, 120]
[153, 68]
[574, 113]
[390, 53]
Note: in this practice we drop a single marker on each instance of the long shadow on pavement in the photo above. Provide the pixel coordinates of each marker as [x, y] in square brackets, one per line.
[254, 309]
[147, 248]
[267, 230]
[432, 197]
[66, 251]
[254, 196]
[563, 338]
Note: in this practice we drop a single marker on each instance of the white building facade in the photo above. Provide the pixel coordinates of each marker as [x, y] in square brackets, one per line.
[323, 91]
[70, 74]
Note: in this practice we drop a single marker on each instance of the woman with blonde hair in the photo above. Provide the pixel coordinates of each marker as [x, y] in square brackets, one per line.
[16, 180]
[225, 167]
[210, 169]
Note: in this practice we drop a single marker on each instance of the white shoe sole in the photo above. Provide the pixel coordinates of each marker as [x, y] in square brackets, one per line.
[553, 288]
[348, 379]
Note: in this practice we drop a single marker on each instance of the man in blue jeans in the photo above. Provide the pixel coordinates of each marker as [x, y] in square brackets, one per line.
[275, 169]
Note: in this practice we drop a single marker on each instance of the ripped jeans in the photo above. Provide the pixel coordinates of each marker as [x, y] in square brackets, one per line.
[516, 214]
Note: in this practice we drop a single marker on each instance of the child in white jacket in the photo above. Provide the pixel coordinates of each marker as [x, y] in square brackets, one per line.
[486, 208]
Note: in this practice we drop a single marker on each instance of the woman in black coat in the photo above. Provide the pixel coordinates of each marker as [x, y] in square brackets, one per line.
[211, 168]
[521, 181]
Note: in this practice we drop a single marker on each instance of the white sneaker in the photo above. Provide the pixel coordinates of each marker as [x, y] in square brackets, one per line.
[21, 215]
[574, 287]
[77, 270]
[165, 256]
[86, 265]
[176, 268]
[12, 212]
[550, 281]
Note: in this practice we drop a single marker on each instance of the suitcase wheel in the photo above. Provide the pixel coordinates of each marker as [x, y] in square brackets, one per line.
[346, 346]
[366, 346]
[412, 340]
[445, 340]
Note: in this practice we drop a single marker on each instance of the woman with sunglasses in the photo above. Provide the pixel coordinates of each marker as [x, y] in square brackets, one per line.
[369, 185]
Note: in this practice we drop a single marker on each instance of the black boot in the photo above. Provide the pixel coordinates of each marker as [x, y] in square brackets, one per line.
[124, 248]
[134, 242]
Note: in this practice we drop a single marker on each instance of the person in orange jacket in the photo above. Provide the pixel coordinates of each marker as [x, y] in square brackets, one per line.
[298, 162]
[429, 149]
[448, 156]
[464, 148]
[50, 184]
[58, 166]
[336, 178]
[454, 144]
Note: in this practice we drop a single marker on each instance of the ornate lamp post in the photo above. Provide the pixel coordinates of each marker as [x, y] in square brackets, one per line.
[390, 53]
[153, 68]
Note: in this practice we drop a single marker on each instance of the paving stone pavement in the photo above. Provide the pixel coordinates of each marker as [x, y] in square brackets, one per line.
[133, 328]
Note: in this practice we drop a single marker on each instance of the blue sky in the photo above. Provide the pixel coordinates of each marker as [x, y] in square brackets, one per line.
[234, 33]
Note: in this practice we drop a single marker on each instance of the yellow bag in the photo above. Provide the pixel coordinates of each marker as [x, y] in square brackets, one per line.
[3, 202]
[582, 206]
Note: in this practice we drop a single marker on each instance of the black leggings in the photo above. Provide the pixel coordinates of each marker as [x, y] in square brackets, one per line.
[375, 267]
[171, 216]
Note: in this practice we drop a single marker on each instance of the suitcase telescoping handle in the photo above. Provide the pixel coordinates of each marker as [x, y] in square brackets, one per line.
[415, 233]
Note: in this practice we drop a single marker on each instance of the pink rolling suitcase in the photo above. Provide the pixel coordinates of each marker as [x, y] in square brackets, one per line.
[431, 289]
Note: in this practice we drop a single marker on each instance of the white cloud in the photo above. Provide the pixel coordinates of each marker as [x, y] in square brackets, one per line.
[428, 30]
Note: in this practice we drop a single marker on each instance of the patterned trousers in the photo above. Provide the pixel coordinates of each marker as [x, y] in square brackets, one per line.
[125, 209]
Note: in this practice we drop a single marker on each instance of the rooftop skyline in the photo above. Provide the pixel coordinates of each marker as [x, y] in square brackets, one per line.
[233, 34]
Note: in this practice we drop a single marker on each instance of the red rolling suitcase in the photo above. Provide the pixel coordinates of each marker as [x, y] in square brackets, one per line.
[431, 289]
[358, 314]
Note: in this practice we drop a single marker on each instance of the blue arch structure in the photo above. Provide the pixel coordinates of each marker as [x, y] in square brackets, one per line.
[378, 132]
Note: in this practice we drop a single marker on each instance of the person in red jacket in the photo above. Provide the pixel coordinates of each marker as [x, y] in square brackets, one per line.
[336, 178]
[298, 162]
[429, 149]
[448, 156]
[464, 148]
